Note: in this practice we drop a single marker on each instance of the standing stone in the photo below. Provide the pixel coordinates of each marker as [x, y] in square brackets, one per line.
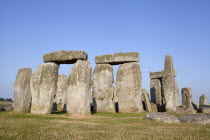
[156, 93]
[43, 88]
[61, 94]
[203, 100]
[22, 92]
[103, 91]
[187, 98]
[78, 93]
[128, 88]
[146, 101]
[168, 86]
[176, 90]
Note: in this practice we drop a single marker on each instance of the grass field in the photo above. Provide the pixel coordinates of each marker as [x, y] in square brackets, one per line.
[98, 126]
[5, 103]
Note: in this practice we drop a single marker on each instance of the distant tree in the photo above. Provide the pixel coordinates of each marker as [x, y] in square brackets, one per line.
[1, 99]
[8, 99]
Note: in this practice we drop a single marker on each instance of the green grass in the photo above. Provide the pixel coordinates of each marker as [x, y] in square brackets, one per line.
[98, 126]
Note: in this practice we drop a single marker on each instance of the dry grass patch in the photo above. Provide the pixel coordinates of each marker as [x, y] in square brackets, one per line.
[98, 126]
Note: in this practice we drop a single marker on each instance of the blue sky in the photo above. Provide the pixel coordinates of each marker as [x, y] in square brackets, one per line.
[154, 28]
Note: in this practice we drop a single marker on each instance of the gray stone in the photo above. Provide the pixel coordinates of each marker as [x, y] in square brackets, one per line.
[65, 57]
[195, 118]
[154, 107]
[203, 100]
[195, 106]
[205, 109]
[176, 91]
[168, 87]
[187, 98]
[128, 88]
[61, 94]
[78, 93]
[159, 74]
[2, 109]
[162, 117]
[103, 90]
[180, 110]
[146, 101]
[22, 92]
[9, 108]
[156, 93]
[117, 58]
[43, 88]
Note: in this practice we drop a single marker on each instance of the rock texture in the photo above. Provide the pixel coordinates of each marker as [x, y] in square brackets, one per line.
[156, 93]
[168, 80]
[61, 94]
[176, 92]
[187, 98]
[79, 95]
[162, 117]
[22, 92]
[146, 101]
[65, 57]
[180, 110]
[154, 107]
[43, 88]
[118, 58]
[205, 109]
[203, 100]
[195, 118]
[128, 88]
[159, 74]
[103, 90]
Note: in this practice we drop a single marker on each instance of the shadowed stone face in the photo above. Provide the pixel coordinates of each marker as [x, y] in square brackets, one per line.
[43, 88]
[61, 94]
[168, 85]
[22, 92]
[155, 90]
[103, 90]
[128, 88]
[78, 93]
[203, 100]
[65, 57]
[186, 98]
[118, 58]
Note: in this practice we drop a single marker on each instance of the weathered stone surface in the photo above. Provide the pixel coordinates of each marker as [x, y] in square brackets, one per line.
[168, 86]
[9, 108]
[65, 57]
[61, 94]
[128, 88]
[78, 93]
[162, 117]
[186, 98]
[159, 74]
[22, 92]
[43, 88]
[176, 92]
[195, 118]
[205, 109]
[117, 58]
[103, 91]
[203, 100]
[145, 100]
[154, 107]
[156, 93]
[180, 110]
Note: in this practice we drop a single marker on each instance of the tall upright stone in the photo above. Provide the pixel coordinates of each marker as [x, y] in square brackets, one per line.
[156, 93]
[187, 98]
[61, 94]
[43, 88]
[103, 90]
[128, 88]
[146, 101]
[22, 92]
[203, 100]
[78, 93]
[168, 87]
[176, 92]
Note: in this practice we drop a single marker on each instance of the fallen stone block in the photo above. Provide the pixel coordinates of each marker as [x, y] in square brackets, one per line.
[195, 118]
[117, 58]
[180, 110]
[162, 117]
[65, 57]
